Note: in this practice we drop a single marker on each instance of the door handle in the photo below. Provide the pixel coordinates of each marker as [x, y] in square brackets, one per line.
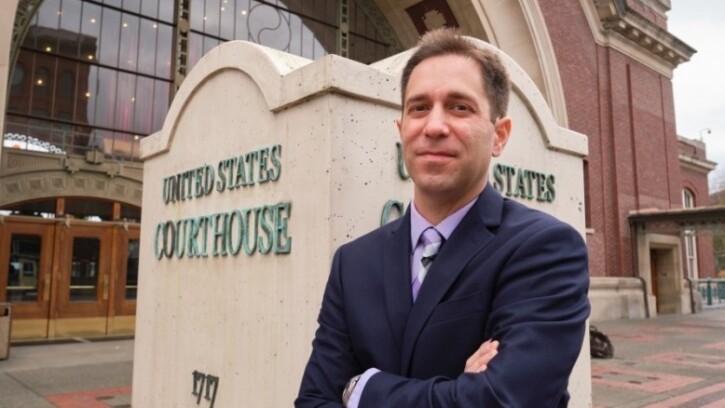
[46, 287]
[105, 287]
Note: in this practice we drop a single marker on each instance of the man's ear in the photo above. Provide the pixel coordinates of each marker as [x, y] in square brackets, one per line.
[501, 133]
[398, 124]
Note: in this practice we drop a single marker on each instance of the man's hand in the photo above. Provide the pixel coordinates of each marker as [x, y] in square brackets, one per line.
[478, 362]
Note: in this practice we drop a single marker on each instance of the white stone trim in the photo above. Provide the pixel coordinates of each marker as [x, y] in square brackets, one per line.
[547, 61]
[695, 164]
[614, 40]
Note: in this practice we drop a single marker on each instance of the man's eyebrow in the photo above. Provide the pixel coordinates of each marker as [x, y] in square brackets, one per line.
[458, 95]
[415, 98]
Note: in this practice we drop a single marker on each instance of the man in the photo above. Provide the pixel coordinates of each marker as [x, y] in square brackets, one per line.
[409, 308]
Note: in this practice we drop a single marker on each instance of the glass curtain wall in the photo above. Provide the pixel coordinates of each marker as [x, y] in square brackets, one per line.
[92, 76]
[98, 75]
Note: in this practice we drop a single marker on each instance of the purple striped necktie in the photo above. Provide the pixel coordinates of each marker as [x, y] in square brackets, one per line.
[425, 252]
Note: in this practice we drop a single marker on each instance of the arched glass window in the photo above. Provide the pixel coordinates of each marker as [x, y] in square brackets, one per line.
[688, 201]
[688, 198]
[115, 71]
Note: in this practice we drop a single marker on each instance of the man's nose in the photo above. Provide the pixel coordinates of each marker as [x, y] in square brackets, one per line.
[437, 123]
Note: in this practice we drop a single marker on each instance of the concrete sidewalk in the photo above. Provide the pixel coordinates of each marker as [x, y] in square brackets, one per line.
[668, 361]
[68, 375]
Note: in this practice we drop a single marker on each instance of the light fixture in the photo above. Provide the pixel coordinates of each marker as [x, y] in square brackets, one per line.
[88, 94]
[155, 25]
[125, 24]
[244, 12]
[133, 99]
[40, 82]
[90, 57]
[93, 21]
[136, 137]
[48, 48]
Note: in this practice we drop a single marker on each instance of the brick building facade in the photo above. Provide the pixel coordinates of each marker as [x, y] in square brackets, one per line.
[619, 93]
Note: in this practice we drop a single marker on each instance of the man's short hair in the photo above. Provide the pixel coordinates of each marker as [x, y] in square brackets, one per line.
[445, 41]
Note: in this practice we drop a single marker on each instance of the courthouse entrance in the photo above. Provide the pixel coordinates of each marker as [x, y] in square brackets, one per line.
[67, 277]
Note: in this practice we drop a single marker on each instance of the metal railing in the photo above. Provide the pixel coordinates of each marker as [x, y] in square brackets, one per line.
[60, 139]
[712, 291]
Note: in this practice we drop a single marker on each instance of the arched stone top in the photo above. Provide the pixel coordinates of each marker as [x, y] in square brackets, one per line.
[28, 176]
[285, 80]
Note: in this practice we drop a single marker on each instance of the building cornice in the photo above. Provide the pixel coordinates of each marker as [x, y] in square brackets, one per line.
[660, 6]
[699, 165]
[27, 175]
[692, 161]
[616, 25]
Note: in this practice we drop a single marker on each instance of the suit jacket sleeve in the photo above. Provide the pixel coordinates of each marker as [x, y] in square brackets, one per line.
[538, 314]
[332, 362]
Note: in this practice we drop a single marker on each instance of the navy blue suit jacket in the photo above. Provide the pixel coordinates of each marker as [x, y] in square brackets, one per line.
[507, 272]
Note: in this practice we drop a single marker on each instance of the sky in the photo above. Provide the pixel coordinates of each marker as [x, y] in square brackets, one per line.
[699, 85]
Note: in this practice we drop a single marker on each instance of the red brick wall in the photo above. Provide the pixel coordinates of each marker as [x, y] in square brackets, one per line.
[578, 63]
[697, 183]
[627, 111]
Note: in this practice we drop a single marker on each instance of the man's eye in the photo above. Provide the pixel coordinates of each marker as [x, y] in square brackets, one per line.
[418, 108]
[460, 107]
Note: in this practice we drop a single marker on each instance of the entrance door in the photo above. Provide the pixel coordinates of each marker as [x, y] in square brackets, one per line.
[72, 279]
[122, 317]
[655, 282]
[84, 280]
[667, 278]
[26, 253]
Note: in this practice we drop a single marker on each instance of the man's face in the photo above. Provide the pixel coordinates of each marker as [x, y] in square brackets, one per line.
[446, 130]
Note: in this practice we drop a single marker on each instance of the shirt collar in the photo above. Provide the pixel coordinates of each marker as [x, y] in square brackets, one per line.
[418, 223]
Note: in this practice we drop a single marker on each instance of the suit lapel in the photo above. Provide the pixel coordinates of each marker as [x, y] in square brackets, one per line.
[469, 238]
[396, 278]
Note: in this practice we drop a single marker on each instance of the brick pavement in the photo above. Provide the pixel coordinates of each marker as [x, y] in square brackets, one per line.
[668, 361]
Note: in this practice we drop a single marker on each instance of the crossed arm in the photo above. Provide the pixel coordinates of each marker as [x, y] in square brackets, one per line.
[478, 362]
[538, 315]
